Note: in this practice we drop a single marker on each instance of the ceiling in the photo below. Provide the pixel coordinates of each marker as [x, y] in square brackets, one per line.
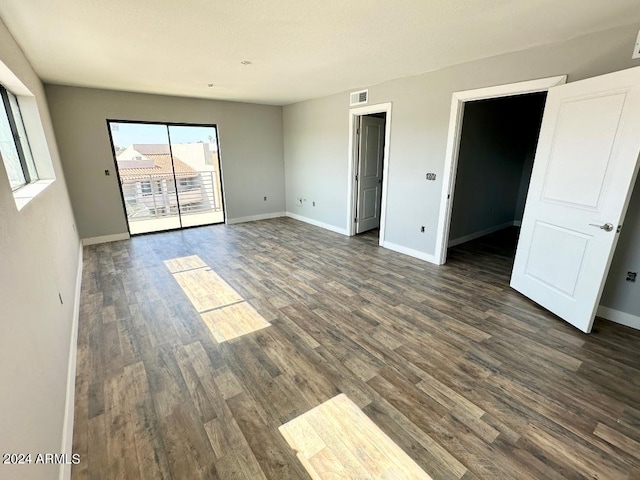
[299, 49]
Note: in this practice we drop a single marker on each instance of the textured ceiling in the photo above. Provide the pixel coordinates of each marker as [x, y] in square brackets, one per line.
[299, 49]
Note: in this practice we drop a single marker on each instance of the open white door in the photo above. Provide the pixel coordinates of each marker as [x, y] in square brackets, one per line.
[585, 167]
[369, 180]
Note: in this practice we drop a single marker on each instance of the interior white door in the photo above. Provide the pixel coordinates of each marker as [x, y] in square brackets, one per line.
[369, 179]
[585, 166]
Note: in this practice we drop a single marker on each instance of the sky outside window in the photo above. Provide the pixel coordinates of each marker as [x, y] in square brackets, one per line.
[125, 134]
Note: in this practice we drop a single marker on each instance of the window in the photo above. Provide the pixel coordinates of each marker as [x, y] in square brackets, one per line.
[188, 182]
[14, 145]
[173, 161]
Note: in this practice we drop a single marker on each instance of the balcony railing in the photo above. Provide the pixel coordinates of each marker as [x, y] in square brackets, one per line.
[154, 196]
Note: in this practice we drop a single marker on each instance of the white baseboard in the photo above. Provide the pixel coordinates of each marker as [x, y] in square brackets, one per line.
[617, 316]
[481, 233]
[427, 257]
[311, 221]
[67, 427]
[105, 239]
[252, 218]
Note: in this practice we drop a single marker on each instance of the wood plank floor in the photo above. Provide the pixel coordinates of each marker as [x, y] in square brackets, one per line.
[337, 440]
[465, 375]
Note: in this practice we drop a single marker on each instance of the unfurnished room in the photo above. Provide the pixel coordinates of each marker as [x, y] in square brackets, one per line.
[319, 240]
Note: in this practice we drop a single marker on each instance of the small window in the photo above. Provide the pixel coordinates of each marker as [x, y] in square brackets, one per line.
[145, 187]
[14, 145]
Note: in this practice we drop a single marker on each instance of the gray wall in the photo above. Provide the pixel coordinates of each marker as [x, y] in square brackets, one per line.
[497, 136]
[250, 139]
[316, 132]
[316, 137]
[39, 253]
[315, 154]
[525, 179]
[618, 293]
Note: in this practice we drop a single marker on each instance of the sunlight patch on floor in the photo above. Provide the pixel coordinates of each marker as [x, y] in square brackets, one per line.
[225, 313]
[205, 289]
[234, 321]
[336, 440]
[184, 263]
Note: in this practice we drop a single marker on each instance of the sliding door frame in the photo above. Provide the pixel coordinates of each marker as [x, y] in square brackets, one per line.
[109, 121]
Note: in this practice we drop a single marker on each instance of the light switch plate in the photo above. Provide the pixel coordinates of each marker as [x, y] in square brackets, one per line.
[636, 48]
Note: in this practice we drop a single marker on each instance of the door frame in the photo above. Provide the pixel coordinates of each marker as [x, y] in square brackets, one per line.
[352, 191]
[458, 99]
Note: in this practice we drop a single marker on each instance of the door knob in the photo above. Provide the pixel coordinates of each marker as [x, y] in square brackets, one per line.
[607, 227]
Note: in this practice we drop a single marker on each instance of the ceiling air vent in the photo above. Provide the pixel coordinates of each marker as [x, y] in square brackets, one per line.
[359, 98]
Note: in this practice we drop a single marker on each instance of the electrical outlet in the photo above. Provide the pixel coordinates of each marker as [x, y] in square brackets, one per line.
[636, 48]
[422, 229]
[631, 276]
[265, 198]
[314, 204]
[107, 173]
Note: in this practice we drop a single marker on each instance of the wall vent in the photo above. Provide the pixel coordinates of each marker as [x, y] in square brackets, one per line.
[359, 98]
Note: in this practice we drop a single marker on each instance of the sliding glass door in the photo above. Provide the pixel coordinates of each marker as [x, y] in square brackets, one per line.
[169, 175]
[197, 171]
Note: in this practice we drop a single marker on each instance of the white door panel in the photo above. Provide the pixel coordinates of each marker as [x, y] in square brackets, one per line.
[585, 166]
[370, 155]
[582, 149]
[556, 257]
[370, 203]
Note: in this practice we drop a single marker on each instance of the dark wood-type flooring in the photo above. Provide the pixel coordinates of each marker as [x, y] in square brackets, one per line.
[467, 376]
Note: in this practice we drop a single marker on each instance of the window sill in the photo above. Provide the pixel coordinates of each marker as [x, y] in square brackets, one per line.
[25, 194]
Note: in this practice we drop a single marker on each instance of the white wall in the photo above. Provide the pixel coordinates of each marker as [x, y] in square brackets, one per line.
[316, 138]
[250, 138]
[39, 253]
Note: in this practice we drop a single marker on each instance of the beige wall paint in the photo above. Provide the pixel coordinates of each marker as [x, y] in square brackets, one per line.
[316, 133]
[39, 252]
[250, 139]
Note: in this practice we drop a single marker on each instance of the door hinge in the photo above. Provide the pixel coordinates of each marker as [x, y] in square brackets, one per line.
[356, 178]
[355, 220]
[358, 131]
[619, 229]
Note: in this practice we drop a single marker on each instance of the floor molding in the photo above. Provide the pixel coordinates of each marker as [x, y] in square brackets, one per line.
[410, 251]
[67, 427]
[105, 239]
[253, 218]
[481, 233]
[617, 316]
[326, 226]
